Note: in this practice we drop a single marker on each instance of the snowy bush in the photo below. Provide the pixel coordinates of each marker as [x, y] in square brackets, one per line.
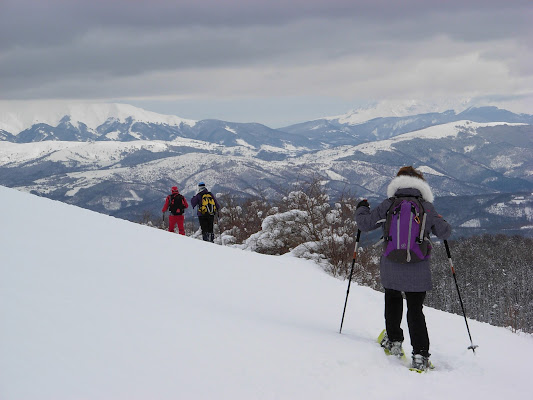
[279, 233]
[308, 226]
[241, 218]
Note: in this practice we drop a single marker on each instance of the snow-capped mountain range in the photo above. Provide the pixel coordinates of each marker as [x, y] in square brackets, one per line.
[391, 108]
[16, 117]
[121, 160]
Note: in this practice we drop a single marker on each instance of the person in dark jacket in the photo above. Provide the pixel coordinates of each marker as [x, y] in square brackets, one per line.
[206, 218]
[412, 278]
[176, 216]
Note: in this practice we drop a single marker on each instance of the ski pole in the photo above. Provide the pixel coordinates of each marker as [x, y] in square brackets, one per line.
[351, 273]
[218, 227]
[472, 345]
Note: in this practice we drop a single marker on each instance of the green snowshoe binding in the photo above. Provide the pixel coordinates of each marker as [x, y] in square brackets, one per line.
[390, 348]
[420, 363]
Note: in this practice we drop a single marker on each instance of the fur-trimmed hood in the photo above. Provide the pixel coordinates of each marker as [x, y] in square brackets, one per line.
[410, 182]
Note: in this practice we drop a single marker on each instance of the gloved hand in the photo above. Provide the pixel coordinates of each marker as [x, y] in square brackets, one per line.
[363, 203]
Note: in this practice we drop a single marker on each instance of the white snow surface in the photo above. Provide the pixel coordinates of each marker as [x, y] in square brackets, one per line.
[471, 223]
[15, 116]
[451, 129]
[93, 307]
[99, 154]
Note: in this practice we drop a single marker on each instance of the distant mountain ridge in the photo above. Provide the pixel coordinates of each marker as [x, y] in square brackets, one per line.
[339, 131]
[18, 116]
[121, 161]
[122, 122]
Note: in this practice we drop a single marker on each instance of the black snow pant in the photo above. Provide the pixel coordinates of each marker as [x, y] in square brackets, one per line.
[207, 225]
[415, 319]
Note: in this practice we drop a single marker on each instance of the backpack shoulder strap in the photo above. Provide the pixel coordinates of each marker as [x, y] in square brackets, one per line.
[386, 226]
[387, 213]
[386, 222]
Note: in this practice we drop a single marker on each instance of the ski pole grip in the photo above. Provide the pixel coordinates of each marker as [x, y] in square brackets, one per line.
[358, 235]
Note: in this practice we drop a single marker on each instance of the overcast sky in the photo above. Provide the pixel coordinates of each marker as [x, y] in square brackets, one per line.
[275, 62]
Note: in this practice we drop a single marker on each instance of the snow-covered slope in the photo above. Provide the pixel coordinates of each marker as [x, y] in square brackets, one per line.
[95, 307]
[449, 130]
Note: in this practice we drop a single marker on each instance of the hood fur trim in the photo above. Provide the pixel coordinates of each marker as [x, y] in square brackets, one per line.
[405, 181]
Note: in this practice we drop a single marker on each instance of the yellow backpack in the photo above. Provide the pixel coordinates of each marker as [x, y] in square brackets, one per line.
[207, 205]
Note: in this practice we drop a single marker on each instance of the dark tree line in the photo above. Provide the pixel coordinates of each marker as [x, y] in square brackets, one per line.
[494, 274]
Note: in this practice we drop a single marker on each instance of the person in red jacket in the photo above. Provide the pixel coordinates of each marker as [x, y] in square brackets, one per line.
[176, 205]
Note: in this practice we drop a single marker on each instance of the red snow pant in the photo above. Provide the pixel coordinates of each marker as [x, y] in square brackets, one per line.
[176, 219]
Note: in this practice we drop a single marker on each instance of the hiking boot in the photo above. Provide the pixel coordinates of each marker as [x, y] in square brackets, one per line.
[393, 348]
[421, 362]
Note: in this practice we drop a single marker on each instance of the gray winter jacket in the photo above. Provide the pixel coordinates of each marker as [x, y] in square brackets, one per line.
[411, 277]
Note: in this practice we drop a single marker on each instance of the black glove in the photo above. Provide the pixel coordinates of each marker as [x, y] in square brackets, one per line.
[363, 203]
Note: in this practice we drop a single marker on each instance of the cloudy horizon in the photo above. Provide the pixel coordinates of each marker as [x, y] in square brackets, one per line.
[271, 62]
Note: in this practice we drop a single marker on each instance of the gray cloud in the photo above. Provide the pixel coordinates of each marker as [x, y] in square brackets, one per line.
[211, 48]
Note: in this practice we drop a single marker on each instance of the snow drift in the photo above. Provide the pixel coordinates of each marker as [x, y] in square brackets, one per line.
[93, 307]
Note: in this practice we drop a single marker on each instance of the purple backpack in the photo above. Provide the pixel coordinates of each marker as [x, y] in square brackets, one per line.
[404, 235]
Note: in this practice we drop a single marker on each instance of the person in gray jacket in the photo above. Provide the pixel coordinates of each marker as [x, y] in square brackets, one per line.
[412, 278]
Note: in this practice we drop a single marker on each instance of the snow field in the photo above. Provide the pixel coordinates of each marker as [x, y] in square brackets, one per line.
[93, 307]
